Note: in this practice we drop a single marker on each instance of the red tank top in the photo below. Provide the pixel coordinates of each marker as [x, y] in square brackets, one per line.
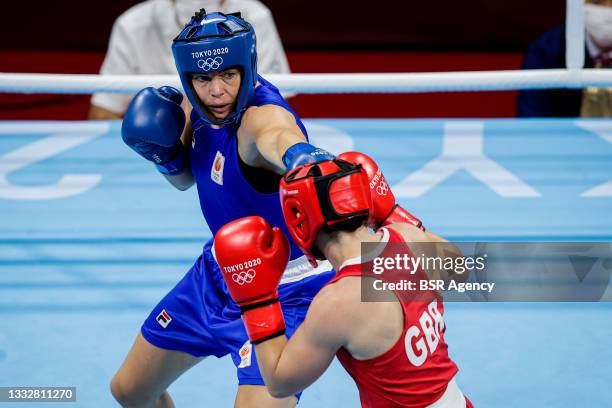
[416, 370]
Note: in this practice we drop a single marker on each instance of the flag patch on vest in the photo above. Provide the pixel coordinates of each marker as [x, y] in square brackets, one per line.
[216, 172]
[245, 354]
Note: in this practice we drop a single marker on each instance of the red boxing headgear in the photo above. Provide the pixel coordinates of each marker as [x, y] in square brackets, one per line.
[322, 194]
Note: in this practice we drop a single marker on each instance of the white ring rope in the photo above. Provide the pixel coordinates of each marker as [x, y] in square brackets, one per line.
[326, 83]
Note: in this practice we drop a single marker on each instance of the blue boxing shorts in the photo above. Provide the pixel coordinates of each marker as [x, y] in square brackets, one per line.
[199, 317]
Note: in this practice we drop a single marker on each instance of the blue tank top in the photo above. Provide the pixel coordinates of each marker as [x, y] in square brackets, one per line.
[225, 195]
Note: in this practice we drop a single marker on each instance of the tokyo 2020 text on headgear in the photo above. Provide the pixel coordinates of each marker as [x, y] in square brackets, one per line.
[216, 42]
[319, 195]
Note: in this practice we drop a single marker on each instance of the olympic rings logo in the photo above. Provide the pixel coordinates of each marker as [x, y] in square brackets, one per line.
[244, 277]
[209, 64]
[382, 188]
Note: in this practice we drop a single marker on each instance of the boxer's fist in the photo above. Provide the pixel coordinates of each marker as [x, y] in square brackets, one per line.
[399, 214]
[303, 153]
[252, 256]
[384, 208]
[152, 127]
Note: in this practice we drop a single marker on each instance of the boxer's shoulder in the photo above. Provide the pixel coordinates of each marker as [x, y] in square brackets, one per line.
[408, 232]
[263, 116]
[337, 300]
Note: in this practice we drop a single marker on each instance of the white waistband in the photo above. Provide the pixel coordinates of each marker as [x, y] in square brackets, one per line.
[297, 269]
[300, 268]
[452, 397]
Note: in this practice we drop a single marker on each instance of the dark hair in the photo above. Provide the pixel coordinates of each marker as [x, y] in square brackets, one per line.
[349, 225]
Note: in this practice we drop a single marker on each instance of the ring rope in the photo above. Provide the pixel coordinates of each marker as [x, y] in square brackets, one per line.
[417, 82]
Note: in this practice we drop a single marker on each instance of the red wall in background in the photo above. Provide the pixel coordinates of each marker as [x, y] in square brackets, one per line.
[463, 104]
[44, 106]
[483, 25]
[449, 104]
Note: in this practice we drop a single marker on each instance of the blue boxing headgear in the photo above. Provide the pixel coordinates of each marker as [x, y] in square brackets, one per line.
[216, 42]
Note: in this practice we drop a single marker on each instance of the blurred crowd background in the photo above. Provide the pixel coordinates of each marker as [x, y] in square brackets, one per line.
[318, 37]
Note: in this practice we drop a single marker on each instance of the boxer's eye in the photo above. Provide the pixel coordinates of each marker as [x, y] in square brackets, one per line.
[200, 78]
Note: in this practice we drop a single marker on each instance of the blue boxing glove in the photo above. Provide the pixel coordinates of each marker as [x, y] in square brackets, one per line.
[152, 127]
[302, 153]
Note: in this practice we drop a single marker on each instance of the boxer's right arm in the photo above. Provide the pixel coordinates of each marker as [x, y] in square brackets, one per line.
[272, 133]
[289, 366]
[153, 126]
[252, 256]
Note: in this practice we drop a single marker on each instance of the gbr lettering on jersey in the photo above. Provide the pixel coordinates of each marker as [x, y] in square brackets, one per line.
[422, 339]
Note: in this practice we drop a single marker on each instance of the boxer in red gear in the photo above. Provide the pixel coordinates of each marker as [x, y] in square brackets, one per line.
[395, 351]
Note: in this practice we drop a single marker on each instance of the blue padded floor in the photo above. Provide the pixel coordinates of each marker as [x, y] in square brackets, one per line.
[91, 237]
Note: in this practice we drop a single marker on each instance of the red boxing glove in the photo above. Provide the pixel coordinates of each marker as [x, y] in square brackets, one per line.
[399, 214]
[384, 209]
[252, 256]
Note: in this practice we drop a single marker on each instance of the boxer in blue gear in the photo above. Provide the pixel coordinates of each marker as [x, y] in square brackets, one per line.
[239, 139]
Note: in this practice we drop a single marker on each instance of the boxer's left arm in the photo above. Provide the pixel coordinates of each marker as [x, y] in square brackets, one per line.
[384, 209]
[269, 137]
[432, 246]
[289, 366]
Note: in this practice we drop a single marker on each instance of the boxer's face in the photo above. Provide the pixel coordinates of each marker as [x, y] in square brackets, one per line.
[217, 91]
